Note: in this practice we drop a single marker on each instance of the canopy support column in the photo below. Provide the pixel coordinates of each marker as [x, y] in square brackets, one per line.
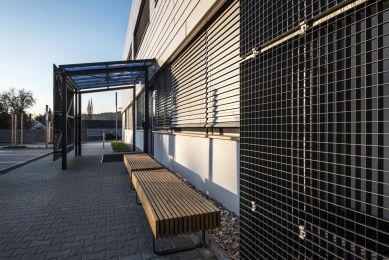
[79, 124]
[64, 123]
[133, 120]
[146, 125]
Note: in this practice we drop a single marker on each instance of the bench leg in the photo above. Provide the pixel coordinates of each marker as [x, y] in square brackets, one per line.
[179, 249]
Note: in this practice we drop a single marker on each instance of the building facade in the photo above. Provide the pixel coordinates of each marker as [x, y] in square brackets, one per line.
[278, 110]
[194, 96]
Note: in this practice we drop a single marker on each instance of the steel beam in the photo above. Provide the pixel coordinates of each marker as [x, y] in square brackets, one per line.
[105, 89]
[64, 123]
[133, 120]
[103, 71]
[76, 115]
[79, 124]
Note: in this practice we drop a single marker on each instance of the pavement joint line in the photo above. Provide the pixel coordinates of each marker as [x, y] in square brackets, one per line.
[24, 163]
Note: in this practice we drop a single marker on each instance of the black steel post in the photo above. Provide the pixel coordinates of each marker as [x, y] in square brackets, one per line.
[146, 127]
[133, 120]
[64, 123]
[79, 124]
[76, 115]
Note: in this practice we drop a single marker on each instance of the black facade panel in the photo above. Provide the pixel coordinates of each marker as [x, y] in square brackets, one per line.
[140, 111]
[314, 134]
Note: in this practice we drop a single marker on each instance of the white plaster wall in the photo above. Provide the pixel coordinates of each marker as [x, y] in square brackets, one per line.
[211, 164]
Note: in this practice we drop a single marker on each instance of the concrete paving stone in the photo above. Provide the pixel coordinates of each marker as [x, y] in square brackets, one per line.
[78, 232]
[125, 231]
[17, 245]
[56, 254]
[117, 252]
[85, 237]
[66, 229]
[76, 257]
[38, 227]
[87, 226]
[95, 256]
[33, 237]
[41, 242]
[6, 253]
[52, 221]
[105, 234]
[149, 255]
[122, 221]
[48, 248]
[127, 243]
[103, 247]
[136, 235]
[64, 240]
[100, 241]
[72, 245]
[11, 240]
[57, 235]
[19, 229]
[110, 239]
[48, 231]
[108, 223]
[26, 233]
[192, 254]
[25, 251]
[134, 224]
[142, 228]
[116, 227]
[96, 230]
[34, 256]
[83, 250]
[145, 240]
[137, 256]
[135, 249]
[61, 224]
[2, 247]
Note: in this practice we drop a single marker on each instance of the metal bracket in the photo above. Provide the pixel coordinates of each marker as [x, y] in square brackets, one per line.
[254, 55]
[303, 27]
[253, 207]
[302, 232]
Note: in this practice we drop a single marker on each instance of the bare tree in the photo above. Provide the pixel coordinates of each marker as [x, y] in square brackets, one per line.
[89, 109]
[17, 101]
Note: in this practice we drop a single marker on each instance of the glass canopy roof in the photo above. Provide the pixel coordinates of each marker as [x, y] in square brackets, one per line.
[106, 75]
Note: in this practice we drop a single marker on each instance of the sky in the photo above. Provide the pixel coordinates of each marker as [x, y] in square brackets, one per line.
[34, 35]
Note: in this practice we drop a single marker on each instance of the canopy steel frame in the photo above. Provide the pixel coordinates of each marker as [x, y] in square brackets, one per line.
[101, 73]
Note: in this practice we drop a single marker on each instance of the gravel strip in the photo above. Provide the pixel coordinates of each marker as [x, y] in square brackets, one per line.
[227, 236]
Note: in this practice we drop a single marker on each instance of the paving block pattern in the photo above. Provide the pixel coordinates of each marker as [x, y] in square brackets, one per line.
[86, 212]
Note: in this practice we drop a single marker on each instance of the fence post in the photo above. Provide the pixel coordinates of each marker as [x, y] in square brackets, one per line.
[103, 139]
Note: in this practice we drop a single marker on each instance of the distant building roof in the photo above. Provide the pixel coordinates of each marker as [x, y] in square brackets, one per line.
[37, 125]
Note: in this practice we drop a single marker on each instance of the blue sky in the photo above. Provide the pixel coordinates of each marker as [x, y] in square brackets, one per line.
[36, 34]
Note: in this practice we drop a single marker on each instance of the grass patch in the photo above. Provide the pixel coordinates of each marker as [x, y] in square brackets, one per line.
[120, 147]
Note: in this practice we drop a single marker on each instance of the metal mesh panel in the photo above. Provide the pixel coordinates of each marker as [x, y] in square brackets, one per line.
[314, 141]
[262, 21]
[163, 101]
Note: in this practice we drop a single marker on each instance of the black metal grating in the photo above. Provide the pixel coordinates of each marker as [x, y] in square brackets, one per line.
[163, 101]
[140, 111]
[314, 138]
[262, 21]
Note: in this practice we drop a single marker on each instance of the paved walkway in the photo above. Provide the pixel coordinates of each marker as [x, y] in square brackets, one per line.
[86, 212]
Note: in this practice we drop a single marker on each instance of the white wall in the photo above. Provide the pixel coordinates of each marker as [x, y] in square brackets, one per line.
[211, 164]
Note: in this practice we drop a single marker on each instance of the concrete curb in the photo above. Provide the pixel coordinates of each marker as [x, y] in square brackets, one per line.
[24, 163]
[215, 248]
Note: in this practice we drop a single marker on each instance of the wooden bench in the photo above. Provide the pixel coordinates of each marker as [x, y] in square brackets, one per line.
[140, 161]
[172, 208]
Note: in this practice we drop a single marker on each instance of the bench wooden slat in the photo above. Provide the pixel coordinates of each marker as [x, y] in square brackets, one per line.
[176, 197]
[149, 210]
[171, 202]
[171, 207]
[171, 217]
[176, 186]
